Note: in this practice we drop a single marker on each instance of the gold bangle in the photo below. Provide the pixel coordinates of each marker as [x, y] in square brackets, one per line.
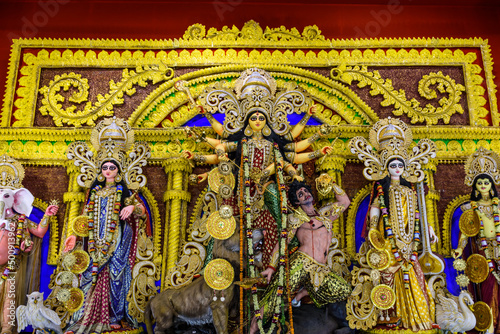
[199, 158]
[374, 221]
[315, 154]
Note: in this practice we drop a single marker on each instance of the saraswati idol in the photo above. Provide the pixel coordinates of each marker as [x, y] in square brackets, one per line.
[396, 224]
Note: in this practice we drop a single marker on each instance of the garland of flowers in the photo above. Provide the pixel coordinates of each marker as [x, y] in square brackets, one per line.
[111, 226]
[496, 219]
[282, 240]
[389, 234]
[19, 235]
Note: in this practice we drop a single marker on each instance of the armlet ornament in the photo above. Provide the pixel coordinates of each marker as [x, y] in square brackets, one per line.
[374, 221]
[338, 190]
[274, 260]
[220, 152]
[313, 138]
[199, 158]
[315, 154]
[305, 119]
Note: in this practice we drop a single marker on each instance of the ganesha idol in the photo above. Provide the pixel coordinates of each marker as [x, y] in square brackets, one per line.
[16, 204]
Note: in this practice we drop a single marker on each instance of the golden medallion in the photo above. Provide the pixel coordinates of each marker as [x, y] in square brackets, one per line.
[378, 259]
[477, 268]
[376, 239]
[216, 179]
[469, 223]
[219, 274]
[75, 300]
[482, 312]
[80, 226]
[383, 297]
[82, 261]
[220, 228]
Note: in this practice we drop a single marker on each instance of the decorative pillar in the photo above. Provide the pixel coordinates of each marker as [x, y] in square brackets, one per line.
[73, 199]
[334, 165]
[176, 200]
[431, 200]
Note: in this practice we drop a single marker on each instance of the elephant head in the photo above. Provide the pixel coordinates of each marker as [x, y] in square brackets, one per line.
[15, 200]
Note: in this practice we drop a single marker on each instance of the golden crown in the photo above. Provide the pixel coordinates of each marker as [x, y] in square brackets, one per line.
[391, 138]
[255, 90]
[482, 161]
[112, 138]
[11, 173]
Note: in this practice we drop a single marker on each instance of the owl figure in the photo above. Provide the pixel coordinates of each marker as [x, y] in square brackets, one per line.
[41, 318]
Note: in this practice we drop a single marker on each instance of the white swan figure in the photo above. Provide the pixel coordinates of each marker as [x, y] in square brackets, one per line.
[450, 318]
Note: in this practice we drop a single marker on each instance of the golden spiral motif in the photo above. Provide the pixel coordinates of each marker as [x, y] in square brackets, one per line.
[477, 268]
[383, 297]
[378, 259]
[80, 226]
[75, 300]
[220, 228]
[483, 316]
[469, 223]
[219, 274]
[81, 263]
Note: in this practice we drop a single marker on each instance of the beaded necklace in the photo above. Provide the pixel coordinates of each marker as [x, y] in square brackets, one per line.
[282, 240]
[111, 223]
[496, 220]
[389, 234]
[19, 235]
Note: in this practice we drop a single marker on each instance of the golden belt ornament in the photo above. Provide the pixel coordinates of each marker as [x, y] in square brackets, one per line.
[221, 224]
[383, 297]
[378, 259]
[219, 274]
[377, 239]
[216, 179]
[477, 268]
[482, 312]
[80, 226]
[469, 223]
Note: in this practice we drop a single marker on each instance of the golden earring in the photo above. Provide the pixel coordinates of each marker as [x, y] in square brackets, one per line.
[492, 193]
[266, 131]
[118, 178]
[100, 178]
[476, 193]
[248, 131]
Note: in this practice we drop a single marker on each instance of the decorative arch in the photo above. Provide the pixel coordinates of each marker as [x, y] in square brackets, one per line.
[450, 219]
[354, 216]
[167, 107]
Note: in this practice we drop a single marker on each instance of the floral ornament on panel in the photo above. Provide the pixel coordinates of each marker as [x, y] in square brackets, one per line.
[255, 91]
[112, 138]
[391, 138]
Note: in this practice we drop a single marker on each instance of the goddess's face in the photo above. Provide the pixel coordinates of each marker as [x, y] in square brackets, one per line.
[396, 168]
[257, 121]
[483, 185]
[109, 170]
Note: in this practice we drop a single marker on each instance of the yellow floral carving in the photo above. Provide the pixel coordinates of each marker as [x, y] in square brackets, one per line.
[380, 86]
[51, 102]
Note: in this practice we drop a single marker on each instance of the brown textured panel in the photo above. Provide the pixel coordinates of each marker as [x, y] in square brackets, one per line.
[48, 183]
[353, 180]
[157, 184]
[449, 182]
